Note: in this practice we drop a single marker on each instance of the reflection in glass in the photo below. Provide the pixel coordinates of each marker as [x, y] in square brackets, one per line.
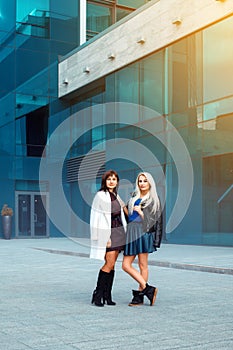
[98, 19]
[218, 194]
[24, 215]
[39, 215]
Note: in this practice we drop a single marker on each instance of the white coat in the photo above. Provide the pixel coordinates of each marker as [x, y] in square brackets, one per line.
[100, 223]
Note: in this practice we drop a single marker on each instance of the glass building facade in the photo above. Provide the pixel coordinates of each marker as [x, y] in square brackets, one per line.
[187, 82]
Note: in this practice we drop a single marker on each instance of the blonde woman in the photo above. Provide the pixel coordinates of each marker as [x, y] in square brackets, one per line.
[108, 226]
[144, 234]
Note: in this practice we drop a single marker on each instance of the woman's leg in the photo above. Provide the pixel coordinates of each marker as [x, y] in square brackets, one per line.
[149, 291]
[108, 269]
[110, 260]
[143, 266]
[127, 267]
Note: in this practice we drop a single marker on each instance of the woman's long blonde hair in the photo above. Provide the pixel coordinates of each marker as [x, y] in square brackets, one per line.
[150, 197]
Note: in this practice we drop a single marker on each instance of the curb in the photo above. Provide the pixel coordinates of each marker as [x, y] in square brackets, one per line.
[167, 264]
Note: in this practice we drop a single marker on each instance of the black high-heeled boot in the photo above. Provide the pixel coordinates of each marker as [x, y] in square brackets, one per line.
[151, 293]
[98, 293]
[108, 289]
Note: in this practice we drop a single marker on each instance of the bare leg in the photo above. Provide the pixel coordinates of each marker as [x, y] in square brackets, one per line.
[143, 266]
[127, 267]
[110, 260]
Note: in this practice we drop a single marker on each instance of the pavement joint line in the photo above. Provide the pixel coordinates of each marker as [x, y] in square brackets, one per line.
[173, 265]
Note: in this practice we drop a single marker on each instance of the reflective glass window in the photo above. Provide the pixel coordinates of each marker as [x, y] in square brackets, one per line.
[127, 84]
[32, 17]
[7, 134]
[152, 82]
[64, 22]
[217, 60]
[7, 109]
[121, 13]
[218, 194]
[132, 3]
[7, 71]
[218, 135]
[7, 19]
[183, 74]
[20, 137]
[28, 64]
[98, 19]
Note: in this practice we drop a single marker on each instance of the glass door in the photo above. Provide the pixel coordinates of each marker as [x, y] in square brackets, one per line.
[31, 216]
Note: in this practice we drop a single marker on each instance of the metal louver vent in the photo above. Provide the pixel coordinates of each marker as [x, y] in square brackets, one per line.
[85, 167]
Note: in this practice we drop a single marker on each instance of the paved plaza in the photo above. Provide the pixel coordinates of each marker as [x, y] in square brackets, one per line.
[46, 292]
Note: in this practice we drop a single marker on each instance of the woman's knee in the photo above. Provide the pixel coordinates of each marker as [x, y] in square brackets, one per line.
[110, 264]
[143, 266]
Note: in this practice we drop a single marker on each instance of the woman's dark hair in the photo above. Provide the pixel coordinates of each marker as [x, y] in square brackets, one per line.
[104, 178]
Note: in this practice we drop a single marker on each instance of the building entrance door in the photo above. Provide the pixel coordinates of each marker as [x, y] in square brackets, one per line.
[31, 217]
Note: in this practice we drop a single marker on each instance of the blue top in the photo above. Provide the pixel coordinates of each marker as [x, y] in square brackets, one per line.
[135, 217]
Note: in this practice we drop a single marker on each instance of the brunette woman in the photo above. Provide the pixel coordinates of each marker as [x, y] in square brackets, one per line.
[108, 225]
[144, 233]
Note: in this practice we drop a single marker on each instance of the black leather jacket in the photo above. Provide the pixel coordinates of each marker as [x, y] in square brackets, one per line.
[153, 223]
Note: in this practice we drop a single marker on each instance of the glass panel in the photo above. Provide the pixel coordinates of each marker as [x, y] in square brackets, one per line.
[217, 109]
[27, 104]
[25, 70]
[32, 17]
[132, 3]
[26, 165]
[184, 74]
[67, 8]
[64, 22]
[7, 71]
[20, 137]
[82, 127]
[152, 82]
[217, 60]
[127, 84]
[24, 215]
[7, 18]
[39, 215]
[178, 83]
[7, 134]
[30, 185]
[121, 13]
[7, 109]
[64, 28]
[217, 135]
[98, 19]
[218, 193]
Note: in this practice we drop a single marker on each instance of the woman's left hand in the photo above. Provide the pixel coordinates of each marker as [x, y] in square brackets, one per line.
[138, 209]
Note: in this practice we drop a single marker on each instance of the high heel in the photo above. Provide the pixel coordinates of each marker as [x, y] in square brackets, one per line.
[108, 301]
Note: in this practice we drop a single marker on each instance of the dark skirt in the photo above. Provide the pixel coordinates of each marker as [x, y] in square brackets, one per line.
[117, 236]
[138, 241]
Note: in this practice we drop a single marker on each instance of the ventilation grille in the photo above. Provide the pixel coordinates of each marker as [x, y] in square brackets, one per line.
[85, 167]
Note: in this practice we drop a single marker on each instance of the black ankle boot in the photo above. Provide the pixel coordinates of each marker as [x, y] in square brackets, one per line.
[108, 289]
[98, 293]
[151, 293]
[137, 298]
